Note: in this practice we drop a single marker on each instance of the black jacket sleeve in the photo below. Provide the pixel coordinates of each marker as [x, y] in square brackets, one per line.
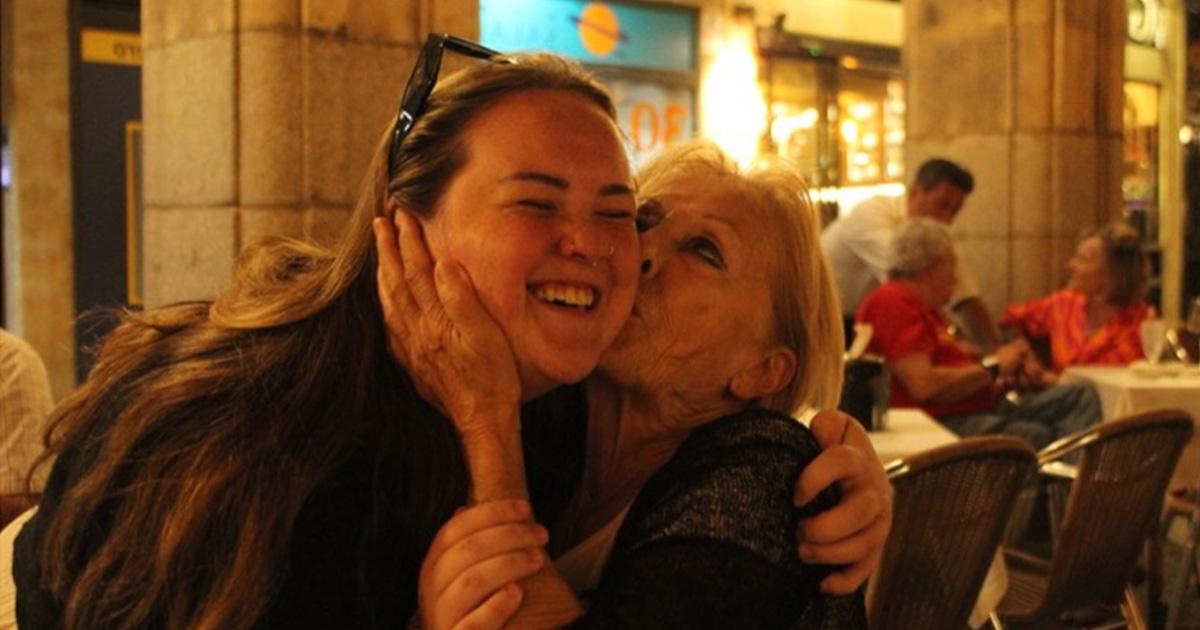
[710, 540]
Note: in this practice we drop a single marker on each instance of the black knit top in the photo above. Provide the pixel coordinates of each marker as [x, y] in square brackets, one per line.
[710, 540]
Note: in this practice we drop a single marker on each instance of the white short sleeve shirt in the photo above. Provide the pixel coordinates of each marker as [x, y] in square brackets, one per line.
[856, 247]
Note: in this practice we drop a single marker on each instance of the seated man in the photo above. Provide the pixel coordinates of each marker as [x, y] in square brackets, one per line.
[932, 370]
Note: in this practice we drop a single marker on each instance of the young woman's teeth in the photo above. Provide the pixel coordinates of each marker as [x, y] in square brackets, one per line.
[578, 297]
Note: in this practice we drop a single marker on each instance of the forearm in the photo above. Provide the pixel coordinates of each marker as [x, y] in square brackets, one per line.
[957, 383]
[979, 321]
[946, 385]
[495, 461]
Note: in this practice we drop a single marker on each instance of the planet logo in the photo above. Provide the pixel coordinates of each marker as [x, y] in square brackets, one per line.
[599, 31]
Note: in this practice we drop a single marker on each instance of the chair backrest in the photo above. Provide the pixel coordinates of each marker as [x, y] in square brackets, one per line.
[1122, 473]
[950, 509]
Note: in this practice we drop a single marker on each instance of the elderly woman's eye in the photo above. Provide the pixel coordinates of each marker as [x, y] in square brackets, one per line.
[649, 214]
[707, 250]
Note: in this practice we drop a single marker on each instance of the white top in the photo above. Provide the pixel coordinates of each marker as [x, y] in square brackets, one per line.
[856, 247]
[8, 588]
[25, 404]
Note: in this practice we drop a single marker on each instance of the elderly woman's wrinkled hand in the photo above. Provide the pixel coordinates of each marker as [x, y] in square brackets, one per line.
[853, 532]
[437, 329]
[470, 574]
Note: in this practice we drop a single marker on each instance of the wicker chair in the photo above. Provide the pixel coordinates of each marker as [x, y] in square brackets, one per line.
[950, 508]
[1117, 489]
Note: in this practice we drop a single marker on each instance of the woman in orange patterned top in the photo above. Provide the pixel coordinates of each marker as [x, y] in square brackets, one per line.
[1096, 318]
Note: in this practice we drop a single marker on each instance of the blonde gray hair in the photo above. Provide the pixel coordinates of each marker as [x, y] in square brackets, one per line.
[917, 245]
[805, 311]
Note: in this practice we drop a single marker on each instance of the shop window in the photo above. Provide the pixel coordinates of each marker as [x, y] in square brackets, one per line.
[1139, 177]
[841, 124]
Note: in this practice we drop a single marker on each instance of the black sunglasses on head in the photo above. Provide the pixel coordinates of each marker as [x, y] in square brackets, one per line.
[420, 84]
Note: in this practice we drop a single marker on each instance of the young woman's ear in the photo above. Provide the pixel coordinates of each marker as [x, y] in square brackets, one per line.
[769, 375]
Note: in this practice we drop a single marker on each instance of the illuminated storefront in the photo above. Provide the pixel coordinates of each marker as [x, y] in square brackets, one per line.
[645, 54]
[836, 110]
[1152, 170]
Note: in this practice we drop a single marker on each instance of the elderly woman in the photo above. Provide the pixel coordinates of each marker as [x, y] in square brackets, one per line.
[930, 369]
[682, 513]
[1096, 319]
[270, 459]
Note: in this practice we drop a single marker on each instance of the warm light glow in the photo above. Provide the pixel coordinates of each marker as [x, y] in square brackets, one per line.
[734, 111]
[863, 110]
[850, 196]
[785, 125]
[850, 131]
[850, 62]
[1186, 134]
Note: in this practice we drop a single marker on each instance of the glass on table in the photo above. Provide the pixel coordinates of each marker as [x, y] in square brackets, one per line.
[1154, 338]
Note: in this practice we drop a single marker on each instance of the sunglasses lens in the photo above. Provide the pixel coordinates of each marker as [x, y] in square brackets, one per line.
[420, 84]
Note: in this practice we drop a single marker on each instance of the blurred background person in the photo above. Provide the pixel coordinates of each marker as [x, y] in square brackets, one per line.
[1097, 317]
[856, 245]
[25, 403]
[931, 370]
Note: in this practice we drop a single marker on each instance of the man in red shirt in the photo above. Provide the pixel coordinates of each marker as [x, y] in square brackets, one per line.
[932, 370]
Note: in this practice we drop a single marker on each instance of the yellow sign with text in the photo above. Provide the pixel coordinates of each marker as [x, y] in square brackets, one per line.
[115, 47]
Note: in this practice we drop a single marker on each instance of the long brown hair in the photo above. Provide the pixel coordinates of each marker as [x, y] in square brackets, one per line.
[204, 428]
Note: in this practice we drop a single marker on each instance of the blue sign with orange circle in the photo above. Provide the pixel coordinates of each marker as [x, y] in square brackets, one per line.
[609, 33]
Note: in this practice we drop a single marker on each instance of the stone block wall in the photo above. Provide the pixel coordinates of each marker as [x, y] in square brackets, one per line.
[1027, 95]
[38, 276]
[260, 117]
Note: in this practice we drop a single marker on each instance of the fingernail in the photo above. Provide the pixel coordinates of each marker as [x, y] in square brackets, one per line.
[541, 534]
[521, 507]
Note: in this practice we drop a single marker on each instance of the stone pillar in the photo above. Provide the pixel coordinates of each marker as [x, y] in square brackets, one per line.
[260, 117]
[1028, 96]
[38, 267]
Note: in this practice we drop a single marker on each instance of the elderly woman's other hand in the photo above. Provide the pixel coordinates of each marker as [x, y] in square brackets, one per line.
[853, 532]
[437, 328]
[469, 576]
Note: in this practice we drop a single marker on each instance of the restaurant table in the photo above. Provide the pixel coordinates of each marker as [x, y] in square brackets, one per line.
[907, 432]
[1124, 392]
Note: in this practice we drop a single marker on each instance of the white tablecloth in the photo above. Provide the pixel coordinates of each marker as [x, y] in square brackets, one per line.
[1123, 393]
[908, 432]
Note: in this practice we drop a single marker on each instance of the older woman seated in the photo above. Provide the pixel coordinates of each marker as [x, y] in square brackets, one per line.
[932, 371]
[1096, 318]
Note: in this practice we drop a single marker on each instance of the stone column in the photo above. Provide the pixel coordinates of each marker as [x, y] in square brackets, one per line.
[260, 117]
[38, 267]
[1027, 95]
